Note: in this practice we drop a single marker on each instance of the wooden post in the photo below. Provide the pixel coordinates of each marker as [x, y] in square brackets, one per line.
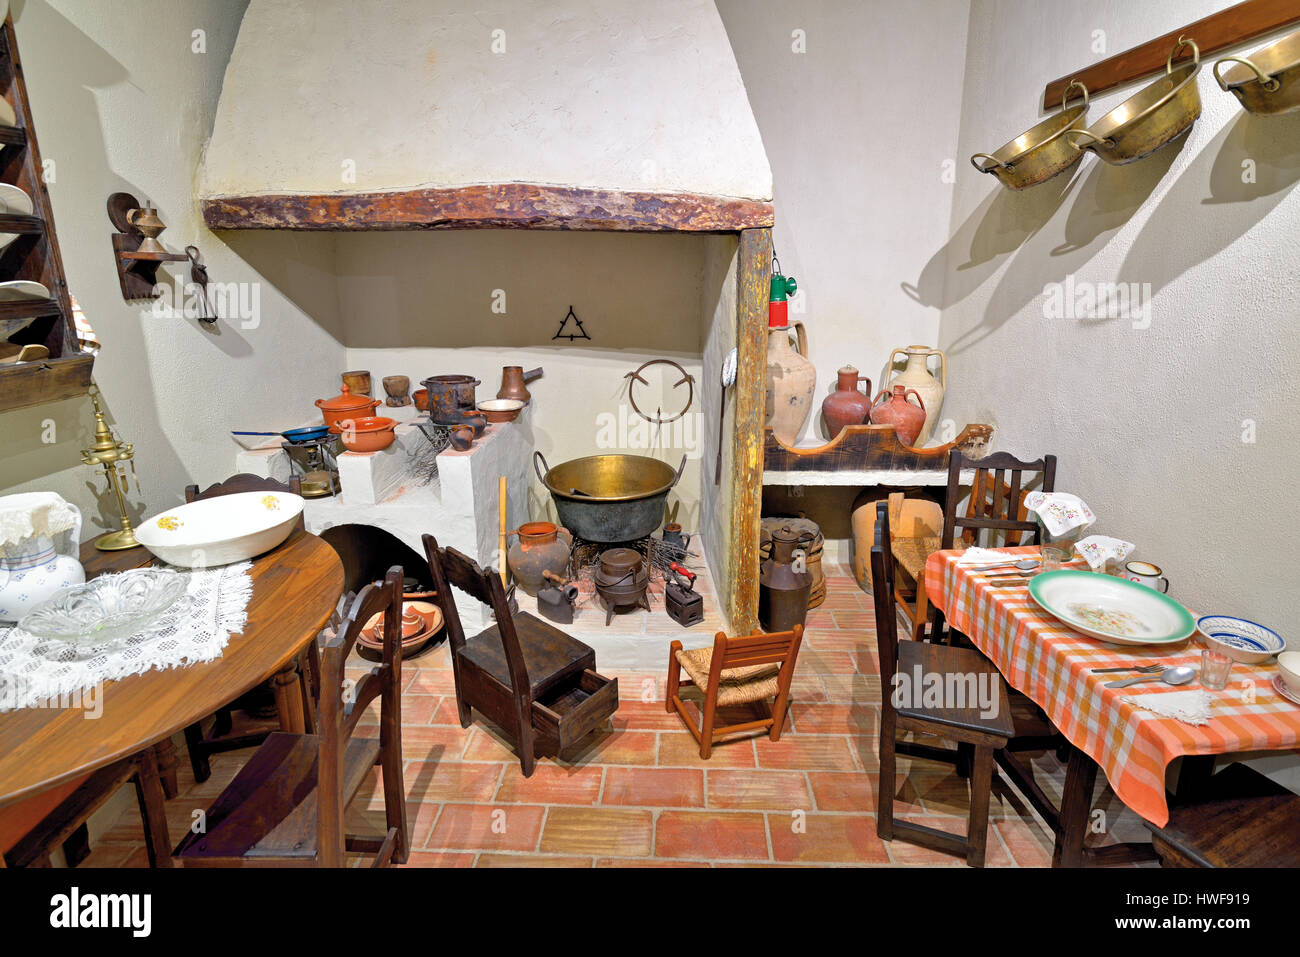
[753, 273]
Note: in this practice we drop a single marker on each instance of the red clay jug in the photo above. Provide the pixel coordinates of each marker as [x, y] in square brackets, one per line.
[907, 419]
[847, 405]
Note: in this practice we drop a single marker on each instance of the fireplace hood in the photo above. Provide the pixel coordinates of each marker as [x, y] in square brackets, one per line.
[426, 114]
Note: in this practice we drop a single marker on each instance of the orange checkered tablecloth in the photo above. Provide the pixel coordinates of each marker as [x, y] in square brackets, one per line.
[1050, 663]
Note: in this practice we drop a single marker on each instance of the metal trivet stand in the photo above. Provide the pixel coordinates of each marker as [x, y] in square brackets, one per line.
[584, 561]
[425, 465]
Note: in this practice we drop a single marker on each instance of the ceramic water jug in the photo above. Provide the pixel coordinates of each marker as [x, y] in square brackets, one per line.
[917, 376]
[542, 547]
[847, 405]
[906, 418]
[791, 379]
[33, 567]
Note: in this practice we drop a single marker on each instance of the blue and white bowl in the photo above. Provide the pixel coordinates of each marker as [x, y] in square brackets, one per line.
[1239, 639]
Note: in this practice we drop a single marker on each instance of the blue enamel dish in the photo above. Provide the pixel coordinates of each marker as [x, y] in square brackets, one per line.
[1240, 639]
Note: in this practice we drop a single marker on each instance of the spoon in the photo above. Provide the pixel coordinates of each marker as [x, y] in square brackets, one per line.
[1170, 676]
[1025, 565]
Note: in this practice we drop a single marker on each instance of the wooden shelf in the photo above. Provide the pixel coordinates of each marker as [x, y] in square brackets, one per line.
[496, 206]
[867, 455]
[34, 257]
[1212, 34]
[154, 257]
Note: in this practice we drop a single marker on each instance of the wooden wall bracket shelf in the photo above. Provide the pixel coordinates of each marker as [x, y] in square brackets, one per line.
[34, 256]
[867, 448]
[137, 272]
[1217, 32]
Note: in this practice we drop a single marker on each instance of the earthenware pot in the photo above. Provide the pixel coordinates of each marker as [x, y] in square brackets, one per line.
[421, 397]
[366, 434]
[916, 376]
[358, 381]
[541, 547]
[847, 405]
[345, 405]
[907, 419]
[791, 379]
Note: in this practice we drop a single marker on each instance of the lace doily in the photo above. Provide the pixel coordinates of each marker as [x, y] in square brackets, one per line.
[33, 513]
[34, 670]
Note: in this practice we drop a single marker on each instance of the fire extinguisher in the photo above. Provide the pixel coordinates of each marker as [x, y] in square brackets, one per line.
[778, 304]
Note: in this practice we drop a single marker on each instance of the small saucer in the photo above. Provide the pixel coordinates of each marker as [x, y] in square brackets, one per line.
[1280, 687]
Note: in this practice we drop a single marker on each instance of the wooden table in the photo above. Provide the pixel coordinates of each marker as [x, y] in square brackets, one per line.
[295, 588]
[1052, 665]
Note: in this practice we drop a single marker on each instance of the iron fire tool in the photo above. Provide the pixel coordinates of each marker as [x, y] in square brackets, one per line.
[682, 602]
[556, 597]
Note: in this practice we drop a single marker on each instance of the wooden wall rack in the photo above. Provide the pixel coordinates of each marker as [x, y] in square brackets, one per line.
[1217, 32]
[34, 256]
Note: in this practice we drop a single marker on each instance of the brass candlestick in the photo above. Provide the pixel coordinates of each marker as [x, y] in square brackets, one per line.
[109, 452]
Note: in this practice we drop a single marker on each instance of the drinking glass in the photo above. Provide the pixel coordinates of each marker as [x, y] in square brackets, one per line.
[1214, 670]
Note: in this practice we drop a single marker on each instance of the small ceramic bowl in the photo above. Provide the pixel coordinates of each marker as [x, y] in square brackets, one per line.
[1239, 639]
[371, 433]
[1288, 666]
[501, 410]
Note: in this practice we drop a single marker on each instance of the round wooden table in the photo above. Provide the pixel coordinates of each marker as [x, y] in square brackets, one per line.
[295, 589]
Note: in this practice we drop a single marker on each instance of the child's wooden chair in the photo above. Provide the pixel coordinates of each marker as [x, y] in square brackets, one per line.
[735, 671]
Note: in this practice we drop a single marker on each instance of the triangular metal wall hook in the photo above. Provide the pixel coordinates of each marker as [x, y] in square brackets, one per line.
[580, 334]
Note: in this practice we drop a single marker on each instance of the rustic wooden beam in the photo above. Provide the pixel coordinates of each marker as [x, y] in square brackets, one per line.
[1214, 33]
[497, 206]
[753, 276]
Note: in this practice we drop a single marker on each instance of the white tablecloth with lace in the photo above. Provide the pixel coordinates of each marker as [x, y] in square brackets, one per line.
[34, 670]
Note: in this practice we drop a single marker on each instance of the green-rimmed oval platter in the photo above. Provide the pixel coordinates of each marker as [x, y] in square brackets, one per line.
[1112, 609]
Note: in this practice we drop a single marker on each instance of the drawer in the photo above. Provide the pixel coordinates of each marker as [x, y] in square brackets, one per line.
[572, 709]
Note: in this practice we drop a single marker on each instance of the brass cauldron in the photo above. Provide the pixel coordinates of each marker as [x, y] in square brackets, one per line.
[1041, 152]
[1269, 81]
[1150, 119]
[609, 498]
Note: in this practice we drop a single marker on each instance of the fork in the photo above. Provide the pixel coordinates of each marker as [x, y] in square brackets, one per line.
[1144, 669]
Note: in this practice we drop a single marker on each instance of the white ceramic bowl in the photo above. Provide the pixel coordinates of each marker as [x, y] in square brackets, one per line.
[221, 530]
[1288, 666]
[1240, 639]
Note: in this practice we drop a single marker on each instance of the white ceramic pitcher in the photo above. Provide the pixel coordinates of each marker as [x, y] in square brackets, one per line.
[33, 569]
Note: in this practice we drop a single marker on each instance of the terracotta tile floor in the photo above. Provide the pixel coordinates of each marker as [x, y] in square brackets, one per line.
[637, 794]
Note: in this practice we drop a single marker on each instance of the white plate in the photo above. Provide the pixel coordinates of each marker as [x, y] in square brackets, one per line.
[20, 290]
[221, 530]
[15, 201]
[1280, 687]
[1112, 609]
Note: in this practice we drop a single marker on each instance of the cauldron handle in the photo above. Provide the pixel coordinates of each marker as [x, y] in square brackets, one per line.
[680, 469]
[538, 455]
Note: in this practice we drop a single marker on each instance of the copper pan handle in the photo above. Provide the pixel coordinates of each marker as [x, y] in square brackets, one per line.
[997, 163]
[1182, 42]
[1092, 136]
[1065, 97]
[542, 478]
[1270, 83]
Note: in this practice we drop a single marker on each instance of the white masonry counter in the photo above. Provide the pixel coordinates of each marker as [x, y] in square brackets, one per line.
[460, 507]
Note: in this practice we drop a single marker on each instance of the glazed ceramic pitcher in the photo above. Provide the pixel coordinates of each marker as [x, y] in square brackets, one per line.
[917, 376]
[32, 568]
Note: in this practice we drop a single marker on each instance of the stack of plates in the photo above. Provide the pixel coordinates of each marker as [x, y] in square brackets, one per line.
[421, 620]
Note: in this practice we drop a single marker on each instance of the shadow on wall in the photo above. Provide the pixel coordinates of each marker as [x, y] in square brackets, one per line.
[1105, 199]
[1249, 168]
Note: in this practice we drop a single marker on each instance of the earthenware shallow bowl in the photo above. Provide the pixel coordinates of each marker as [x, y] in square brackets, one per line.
[109, 608]
[1111, 609]
[1240, 639]
[221, 530]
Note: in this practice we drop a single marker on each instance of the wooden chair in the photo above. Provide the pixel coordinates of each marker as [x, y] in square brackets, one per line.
[201, 747]
[961, 721]
[1239, 818]
[32, 829]
[994, 503]
[735, 671]
[916, 529]
[528, 677]
[286, 805]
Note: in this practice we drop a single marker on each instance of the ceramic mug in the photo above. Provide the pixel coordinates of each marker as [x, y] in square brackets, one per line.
[1144, 573]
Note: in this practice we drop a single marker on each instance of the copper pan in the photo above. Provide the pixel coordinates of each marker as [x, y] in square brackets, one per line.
[1041, 152]
[1268, 82]
[1151, 118]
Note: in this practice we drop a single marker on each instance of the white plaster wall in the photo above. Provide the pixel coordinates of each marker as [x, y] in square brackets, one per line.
[611, 94]
[1147, 422]
[121, 102]
[857, 130]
